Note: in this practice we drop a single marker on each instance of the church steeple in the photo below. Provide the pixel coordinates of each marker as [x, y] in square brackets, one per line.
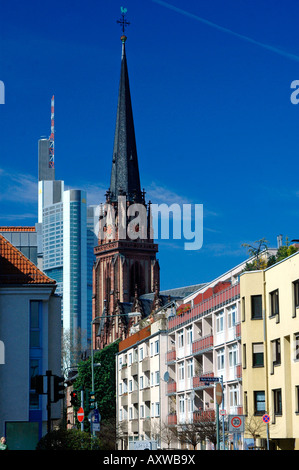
[125, 179]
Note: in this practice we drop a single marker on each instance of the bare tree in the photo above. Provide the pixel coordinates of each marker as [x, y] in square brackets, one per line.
[254, 426]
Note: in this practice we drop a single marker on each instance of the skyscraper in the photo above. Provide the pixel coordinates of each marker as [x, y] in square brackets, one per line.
[65, 243]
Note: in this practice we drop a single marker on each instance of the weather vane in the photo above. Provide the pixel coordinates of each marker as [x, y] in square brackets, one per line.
[123, 22]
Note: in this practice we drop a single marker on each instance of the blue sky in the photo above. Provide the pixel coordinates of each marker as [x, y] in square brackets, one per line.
[210, 85]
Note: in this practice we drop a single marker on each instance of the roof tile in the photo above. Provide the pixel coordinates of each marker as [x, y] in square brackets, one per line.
[15, 268]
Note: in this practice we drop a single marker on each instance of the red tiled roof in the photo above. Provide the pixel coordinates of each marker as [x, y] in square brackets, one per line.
[17, 229]
[15, 268]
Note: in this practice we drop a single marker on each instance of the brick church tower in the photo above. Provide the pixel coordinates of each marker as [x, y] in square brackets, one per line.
[126, 266]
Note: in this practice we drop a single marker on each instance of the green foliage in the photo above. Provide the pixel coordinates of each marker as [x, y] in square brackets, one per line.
[68, 439]
[104, 380]
[262, 262]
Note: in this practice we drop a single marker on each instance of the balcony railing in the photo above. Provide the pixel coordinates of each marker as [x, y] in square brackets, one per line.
[197, 383]
[203, 344]
[203, 416]
[172, 419]
[170, 356]
[171, 388]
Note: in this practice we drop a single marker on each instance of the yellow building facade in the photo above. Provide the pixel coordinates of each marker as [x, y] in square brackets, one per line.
[270, 354]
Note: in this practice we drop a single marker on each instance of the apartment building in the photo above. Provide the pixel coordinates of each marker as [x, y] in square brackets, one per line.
[270, 351]
[141, 386]
[204, 342]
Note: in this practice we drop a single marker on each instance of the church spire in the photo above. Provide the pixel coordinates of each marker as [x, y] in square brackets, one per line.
[125, 179]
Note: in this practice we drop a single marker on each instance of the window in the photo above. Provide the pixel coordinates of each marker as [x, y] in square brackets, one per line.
[257, 355]
[243, 308]
[157, 347]
[244, 356]
[131, 412]
[296, 296]
[274, 303]
[233, 355]
[276, 356]
[220, 359]
[297, 398]
[231, 316]
[189, 335]
[141, 356]
[120, 388]
[157, 377]
[182, 404]
[181, 371]
[34, 397]
[190, 368]
[130, 385]
[277, 402]
[157, 409]
[256, 307]
[181, 339]
[35, 327]
[259, 403]
[141, 382]
[219, 322]
[141, 411]
[120, 414]
[130, 358]
[233, 396]
[296, 347]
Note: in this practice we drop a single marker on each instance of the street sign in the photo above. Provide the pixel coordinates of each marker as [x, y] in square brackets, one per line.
[209, 379]
[80, 414]
[236, 423]
[222, 412]
[94, 418]
[266, 418]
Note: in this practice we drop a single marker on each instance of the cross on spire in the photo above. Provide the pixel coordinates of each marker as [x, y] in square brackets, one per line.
[123, 22]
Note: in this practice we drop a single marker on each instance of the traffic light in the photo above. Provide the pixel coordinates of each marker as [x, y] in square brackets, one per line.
[37, 384]
[74, 398]
[58, 387]
[91, 400]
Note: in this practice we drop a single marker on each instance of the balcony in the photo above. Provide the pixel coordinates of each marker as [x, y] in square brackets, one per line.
[134, 425]
[146, 364]
[202, 345]
[238, 372]
[197, 383]
[146, 394]
[134, 397]
[146, 425]
[172, 419]
[170, 356]
[171, 388]
[134, 368]
[124, 399]
[203, 416]
[124, 372]
[238, 330]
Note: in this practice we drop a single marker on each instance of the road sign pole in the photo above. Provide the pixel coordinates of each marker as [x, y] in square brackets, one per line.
[82, 406]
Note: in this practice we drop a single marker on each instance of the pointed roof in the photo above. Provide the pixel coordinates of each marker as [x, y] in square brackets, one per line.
[15, 268]
[125, 177]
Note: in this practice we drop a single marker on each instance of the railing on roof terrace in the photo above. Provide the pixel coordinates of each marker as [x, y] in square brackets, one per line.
[212, 303]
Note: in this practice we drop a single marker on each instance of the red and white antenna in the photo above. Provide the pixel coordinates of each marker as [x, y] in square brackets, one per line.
[51, 139]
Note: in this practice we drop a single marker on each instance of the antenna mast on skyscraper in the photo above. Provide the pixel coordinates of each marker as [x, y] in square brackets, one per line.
[51, 143]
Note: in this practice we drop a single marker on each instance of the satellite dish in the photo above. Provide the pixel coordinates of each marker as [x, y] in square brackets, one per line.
[166, 376]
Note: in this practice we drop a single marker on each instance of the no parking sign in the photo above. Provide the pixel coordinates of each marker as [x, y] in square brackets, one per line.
[236, 423]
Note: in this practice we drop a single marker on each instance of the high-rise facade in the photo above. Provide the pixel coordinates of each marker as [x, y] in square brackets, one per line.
[65, 246]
